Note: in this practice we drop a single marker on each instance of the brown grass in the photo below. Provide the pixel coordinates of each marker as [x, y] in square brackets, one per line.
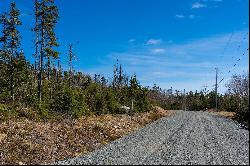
[230, 115]
[24, 141]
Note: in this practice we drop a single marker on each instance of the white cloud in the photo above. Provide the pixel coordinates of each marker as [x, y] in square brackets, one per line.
[158, 51]
[179, 16]
[197, 5]
[131, 40]
[188, 65]
[183, 55]
[153, 41]
[214, 2]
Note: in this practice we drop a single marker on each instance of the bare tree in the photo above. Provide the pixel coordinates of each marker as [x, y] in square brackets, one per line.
[239, 85]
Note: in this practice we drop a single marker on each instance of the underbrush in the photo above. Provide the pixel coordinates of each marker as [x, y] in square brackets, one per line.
[31, 140]
[14, 112]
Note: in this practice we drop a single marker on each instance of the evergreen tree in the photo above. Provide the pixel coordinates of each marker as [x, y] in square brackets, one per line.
[133, 90]
[22, 78]
[11, 42]
[103, 81]
[46, 14]
[70, 64]
[120, 77]
[4, 54]
[4, 59]
[115, 76]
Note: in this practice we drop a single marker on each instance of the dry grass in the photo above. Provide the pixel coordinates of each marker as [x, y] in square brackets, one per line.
[24, 141]
[230, 115]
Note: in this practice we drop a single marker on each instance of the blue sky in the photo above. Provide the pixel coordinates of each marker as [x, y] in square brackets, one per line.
[174, 43]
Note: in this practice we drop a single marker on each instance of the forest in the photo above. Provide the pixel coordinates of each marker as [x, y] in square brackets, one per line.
[43, 90]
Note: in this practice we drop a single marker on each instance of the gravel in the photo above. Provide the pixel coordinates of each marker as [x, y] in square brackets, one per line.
[187, 137]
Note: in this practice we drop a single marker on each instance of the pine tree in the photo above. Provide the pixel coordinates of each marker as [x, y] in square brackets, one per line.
[46, 14]
[4, 59]
[14, 41]
[36, 56]
[3, 39]
[22, 77]
[70, 64]
[115, 76]
[103, 81]
[11, 43]
[133, 89]
[120, 77]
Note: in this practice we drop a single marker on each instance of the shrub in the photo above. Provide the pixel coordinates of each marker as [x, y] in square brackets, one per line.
[112, 105]
[62, 101]
[3, 112]
[229, 103]
[43, 112]
[79, 106]
[27, 113]
[242, 112]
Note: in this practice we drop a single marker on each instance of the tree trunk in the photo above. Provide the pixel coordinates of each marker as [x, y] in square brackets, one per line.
[41, 60]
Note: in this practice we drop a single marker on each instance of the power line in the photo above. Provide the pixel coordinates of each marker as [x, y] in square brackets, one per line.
[226, 46]
[224, 50]
[235, 64]
[238, 58]
[230, 69]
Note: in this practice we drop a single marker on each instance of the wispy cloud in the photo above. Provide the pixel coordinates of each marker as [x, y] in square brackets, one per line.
[153, 41]
[158, 51]
[197, 5]
[213, 3]
[179, 16]
[187, 65]
[131, 40]
[191, 16]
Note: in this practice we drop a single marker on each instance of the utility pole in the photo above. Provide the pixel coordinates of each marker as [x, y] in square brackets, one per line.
[216, 89]
[185, 107]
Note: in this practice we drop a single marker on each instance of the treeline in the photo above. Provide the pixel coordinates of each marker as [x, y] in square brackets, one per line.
[44, 87]
[236, 99]
[177, 100]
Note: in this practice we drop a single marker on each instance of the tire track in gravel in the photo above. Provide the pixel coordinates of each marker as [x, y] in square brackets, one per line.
[213, 146]
[196, 138]
[229, 147]
[184, 147]
[156, 156]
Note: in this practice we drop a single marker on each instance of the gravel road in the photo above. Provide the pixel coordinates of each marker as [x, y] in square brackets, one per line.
[193, 138]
